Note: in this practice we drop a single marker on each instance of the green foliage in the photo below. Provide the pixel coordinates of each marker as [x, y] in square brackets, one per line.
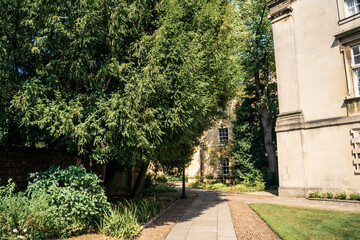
[8, 190]
[34, 218]
[160, 188]
[314, 195]
[354, 196]
[329, 195]
[257, 92]
[124, 220]
[172, 178]
[131, 81]
[79, 199]
[120, 223]
[341, 195]
[240, 187]
[323, 195]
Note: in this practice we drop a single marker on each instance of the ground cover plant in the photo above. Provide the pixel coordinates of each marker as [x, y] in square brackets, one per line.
[237, 187]
[306, 223]
[68, 202]
[125, 218]
[160, 188]
[57, 203]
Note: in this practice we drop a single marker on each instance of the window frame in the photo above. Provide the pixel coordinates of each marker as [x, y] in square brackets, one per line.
[223, 138]
[355, 70]
[224, 167]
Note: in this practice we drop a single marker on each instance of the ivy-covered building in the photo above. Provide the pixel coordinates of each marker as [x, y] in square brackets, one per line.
[208, 160]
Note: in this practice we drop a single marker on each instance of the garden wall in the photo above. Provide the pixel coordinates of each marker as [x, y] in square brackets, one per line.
[17, 164]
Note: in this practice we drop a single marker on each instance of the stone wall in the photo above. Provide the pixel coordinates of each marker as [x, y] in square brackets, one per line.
[17, 164]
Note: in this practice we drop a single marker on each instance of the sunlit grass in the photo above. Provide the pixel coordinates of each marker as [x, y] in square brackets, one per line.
[306, 223]
[241, 187]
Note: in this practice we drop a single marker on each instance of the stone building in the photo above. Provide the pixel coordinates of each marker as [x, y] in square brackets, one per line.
[216, 137]
[317, 50]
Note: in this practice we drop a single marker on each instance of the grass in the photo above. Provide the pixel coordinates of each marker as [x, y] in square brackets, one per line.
[306, 223]
[242, 187]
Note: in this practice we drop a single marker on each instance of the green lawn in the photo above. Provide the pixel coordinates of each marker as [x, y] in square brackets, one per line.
[307, 223]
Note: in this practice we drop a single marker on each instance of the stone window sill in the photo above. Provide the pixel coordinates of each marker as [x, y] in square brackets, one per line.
[349, 19]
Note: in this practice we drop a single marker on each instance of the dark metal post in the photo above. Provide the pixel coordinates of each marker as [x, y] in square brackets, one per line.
[183, 195]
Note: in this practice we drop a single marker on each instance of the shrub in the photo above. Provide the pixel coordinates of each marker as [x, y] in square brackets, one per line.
[354, 196]
[341, 195]
[323, 195]
[120, 223]
[160, 189]
[124, 220]
[78, 196]
[314, 195]
[25, 218]
[329, 195]
[144, 208]
[160, 179]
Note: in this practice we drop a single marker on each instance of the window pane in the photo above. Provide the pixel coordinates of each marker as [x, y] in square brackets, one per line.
[356, 50]
[223, 135]
[357, 60]
[350, 7]
[357, 79]
[356, 54]
[357, 6]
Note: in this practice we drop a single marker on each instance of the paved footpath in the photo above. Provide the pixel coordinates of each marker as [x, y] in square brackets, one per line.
[208, 218]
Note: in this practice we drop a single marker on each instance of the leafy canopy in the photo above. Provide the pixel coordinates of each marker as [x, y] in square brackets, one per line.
[129, 80]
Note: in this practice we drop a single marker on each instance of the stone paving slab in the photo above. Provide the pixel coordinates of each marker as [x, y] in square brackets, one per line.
[208, 218]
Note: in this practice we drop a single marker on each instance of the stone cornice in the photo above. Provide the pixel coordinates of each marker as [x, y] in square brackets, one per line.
[279, 9]
[295, 121]
[348, 36]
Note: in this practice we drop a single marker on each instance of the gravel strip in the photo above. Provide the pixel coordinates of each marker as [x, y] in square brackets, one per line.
[247, 224]
[161, 227]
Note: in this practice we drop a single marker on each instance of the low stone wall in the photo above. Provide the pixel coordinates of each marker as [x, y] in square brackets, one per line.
[17, 164]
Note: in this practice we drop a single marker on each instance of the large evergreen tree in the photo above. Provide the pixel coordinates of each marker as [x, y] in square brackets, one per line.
[127, 80]
[257, 109]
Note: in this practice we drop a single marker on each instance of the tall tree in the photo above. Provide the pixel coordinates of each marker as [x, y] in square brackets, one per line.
[133, 80]
[257, 62]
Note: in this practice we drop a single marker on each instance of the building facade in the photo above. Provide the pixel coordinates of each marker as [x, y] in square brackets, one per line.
[317, 50]
[202, 164]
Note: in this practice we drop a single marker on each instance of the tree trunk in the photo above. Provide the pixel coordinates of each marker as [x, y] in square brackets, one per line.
[268, 140]
[139, 181]
[265, 121]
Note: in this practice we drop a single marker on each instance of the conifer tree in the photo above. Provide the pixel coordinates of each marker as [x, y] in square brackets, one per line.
[132, 81]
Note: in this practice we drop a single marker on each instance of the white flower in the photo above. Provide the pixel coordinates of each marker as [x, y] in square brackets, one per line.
[24, 230]
[21, 237]
[15, 230]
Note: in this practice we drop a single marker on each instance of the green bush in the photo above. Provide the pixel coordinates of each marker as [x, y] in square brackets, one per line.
[120, 223]
[160, 189]
[175, 178]
[323, 195]
[329, 195]
[354, 196]
[144, 208]
[21, 217]
[78, 196]
[160, 179]
[244, 186]
[314, 195]
[124, 219]
[341, 196]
